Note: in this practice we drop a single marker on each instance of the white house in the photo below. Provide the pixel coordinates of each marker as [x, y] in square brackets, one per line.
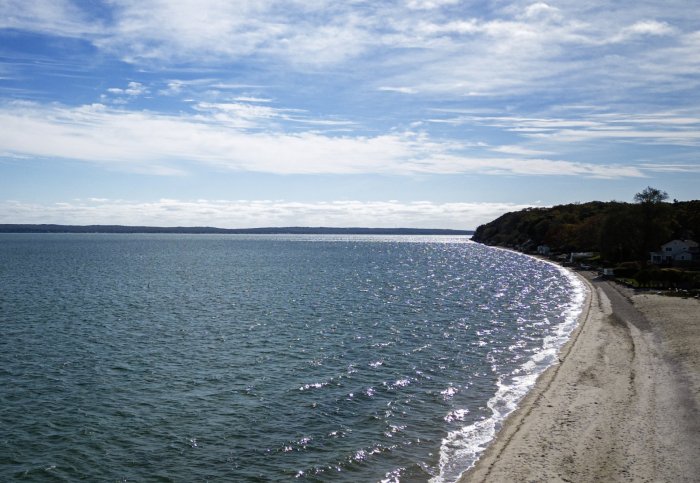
[676, 251]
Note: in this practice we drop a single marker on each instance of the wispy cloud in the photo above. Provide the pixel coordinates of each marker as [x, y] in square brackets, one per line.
[303, 33]
[536, 47]
[519, 150]
[441, 46]
[429, 4]
[402, 90]
[132, 89]
[681, 128]
[644, 28]
[398, 87]
[243, 114]
[672, 167]
[119, 95]
[58, 17]
[255, 213]
[224, 136]
[251, 99]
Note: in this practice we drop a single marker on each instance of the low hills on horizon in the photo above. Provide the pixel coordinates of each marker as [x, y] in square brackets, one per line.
[293, 230]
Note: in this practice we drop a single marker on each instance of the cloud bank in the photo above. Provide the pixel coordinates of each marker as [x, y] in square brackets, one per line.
[164, 144]
[257, 213]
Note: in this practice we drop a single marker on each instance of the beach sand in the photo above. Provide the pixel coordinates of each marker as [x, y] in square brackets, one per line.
[622, 405]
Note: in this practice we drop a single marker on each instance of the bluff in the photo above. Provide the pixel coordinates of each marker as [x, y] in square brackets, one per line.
[619, 231]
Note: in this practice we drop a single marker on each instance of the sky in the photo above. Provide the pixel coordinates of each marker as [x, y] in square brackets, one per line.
[397, 113]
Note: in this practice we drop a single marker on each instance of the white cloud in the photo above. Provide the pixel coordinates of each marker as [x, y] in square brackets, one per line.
[57, 17]
[659, 129]
[536, 167]
[150, 142]
[211, 31]
[243, 114]
[646, 27]
[429, 4]
[477, 57]
[322, 44]
[426, 46]
[184, 29]
[173, 88]
[401, 90]
[683, 138]
[540, 48]
[256, 213]
[665, 127]
[133, 89]
[251, 99]
[672, 168]
[541, 10]
[519, 150]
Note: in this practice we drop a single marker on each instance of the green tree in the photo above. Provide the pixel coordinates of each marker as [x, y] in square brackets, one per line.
[620, 235]
[650, 196]
[655, 226]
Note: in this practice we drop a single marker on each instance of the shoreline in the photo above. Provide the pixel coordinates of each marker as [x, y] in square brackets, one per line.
[474, 439]
[622, 404]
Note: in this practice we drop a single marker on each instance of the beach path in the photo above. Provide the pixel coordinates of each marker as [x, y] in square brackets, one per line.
[623, 404]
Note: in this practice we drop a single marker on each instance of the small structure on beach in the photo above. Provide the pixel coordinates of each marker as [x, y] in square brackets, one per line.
[543, 250]
[676, 251]
[576, 256]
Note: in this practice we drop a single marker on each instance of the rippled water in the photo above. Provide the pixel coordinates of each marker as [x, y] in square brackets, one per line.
[264, 358]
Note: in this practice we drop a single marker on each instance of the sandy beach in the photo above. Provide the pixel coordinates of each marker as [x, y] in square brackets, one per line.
[622, 405]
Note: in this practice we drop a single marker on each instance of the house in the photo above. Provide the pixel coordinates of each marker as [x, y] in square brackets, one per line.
[676, 251]
[543, 250]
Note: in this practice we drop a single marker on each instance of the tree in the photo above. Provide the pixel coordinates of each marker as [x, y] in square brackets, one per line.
[620, 235]
[650, 195]
[655, 225]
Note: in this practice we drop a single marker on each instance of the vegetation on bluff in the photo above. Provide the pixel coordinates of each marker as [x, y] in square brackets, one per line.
[618, 231]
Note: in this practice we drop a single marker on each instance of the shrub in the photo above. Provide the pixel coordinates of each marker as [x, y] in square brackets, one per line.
[627, 269]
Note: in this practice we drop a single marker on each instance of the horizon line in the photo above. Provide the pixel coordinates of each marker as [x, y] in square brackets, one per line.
[104, 228]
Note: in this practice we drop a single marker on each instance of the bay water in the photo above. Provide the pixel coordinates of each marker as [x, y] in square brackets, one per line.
[266, 358]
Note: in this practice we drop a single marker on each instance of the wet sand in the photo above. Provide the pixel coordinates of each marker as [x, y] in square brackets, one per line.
[622, 405]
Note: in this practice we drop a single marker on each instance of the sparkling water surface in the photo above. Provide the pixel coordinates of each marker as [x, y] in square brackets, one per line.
[265, 358]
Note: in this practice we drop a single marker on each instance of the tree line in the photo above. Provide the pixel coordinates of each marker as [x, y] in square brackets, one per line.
[618, 231]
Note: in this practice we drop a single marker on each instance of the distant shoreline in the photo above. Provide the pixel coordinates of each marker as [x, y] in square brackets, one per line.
[205, 230]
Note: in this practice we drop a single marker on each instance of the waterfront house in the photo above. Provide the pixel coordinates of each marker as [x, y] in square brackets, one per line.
[676, 251]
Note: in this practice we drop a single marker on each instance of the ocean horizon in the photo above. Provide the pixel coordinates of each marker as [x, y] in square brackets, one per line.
[267, 357]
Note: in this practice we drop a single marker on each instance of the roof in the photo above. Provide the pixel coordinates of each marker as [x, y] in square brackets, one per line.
[689, 243]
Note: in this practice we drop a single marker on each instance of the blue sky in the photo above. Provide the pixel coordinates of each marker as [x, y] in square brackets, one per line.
[422, 113]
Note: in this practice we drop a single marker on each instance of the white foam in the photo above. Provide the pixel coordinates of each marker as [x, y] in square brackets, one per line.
[461, 448]
[449, 392]
[401, 383]
[314, 385]
[456, 415]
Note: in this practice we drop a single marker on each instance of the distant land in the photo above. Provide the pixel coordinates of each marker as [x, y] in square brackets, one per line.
[618, 231]
[291, 230]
